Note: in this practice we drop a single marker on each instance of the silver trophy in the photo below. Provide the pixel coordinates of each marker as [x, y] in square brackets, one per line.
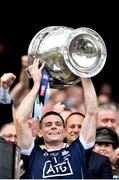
[68, 53]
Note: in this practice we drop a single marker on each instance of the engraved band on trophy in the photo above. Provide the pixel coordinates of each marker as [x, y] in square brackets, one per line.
[68, 53]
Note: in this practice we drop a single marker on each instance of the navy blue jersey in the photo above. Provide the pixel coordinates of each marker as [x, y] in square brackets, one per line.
[67, 163]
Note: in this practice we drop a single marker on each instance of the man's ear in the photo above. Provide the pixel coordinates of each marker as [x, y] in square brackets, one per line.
[65, 132]
[39, 133]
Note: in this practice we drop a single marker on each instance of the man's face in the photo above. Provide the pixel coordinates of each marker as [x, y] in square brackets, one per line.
[107, 118]
[104, 149]
[9, 133]
[52, 129]
[73, 127]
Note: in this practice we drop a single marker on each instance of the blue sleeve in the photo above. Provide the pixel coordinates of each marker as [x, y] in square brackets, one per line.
[4, 96]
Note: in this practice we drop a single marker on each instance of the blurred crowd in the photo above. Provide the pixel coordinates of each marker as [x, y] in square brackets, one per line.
[70, 104]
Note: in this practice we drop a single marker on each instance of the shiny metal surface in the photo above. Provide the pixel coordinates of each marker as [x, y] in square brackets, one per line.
[68, 53]
[85, 52]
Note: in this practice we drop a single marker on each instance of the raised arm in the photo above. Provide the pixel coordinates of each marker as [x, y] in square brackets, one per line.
[24, 133]
[88, 129]
[21, 89]
[6, 80]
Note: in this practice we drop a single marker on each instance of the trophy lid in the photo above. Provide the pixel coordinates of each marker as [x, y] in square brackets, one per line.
[85, 52]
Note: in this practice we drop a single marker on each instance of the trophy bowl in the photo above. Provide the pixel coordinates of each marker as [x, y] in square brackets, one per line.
[68, 53]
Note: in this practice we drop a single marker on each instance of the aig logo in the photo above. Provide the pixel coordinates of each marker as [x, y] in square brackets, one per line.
[54, 170]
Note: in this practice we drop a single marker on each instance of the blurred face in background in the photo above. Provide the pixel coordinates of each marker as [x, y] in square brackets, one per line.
[102, 98]
[104, 149]
[106, 89]
[9, 133]
[107, 118]
[75, 96]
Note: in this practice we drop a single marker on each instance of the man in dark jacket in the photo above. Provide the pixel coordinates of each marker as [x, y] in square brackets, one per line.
[99, 166]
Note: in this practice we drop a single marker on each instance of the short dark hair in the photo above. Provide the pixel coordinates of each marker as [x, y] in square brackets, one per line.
[51, 113]
[74, 113]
